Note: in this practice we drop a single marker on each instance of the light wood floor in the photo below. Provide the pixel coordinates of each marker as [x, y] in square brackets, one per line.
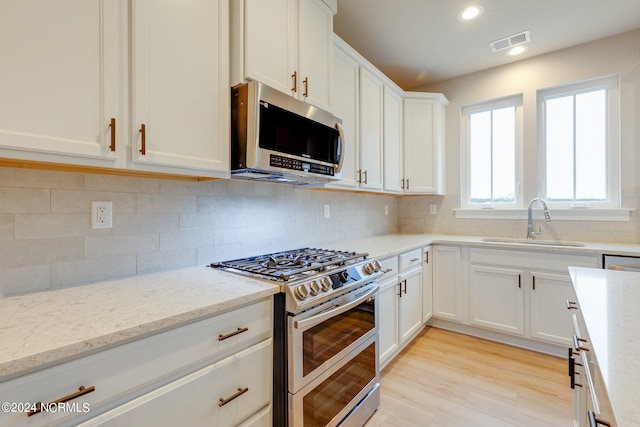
[447, 379]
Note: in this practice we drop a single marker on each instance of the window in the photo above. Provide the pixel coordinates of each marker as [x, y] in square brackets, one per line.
[578, 129]
[491, 159]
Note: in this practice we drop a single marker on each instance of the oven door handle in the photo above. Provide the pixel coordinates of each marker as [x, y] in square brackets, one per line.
[321, 317]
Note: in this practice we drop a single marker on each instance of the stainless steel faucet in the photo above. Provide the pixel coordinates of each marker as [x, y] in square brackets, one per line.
[530, 233]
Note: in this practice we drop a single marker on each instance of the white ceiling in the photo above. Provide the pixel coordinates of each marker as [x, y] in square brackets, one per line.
[420, 42]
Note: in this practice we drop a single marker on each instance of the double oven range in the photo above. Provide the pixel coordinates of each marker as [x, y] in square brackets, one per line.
[326, 369]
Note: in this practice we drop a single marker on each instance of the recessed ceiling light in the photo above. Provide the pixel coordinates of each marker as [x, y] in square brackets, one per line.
[470, 13]
[517, 50]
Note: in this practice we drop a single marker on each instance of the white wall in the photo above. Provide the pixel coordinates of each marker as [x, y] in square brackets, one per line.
[618, 54]
[46, 241]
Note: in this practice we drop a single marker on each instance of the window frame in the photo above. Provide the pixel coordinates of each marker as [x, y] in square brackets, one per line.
[611, 84]
[494, 104]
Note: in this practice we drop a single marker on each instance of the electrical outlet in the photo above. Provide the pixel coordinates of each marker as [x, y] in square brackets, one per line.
[101, 214]
[327, 211]
[433, 209]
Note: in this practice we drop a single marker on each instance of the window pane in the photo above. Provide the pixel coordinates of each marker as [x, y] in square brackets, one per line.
[591, 153]
[504, 168]
[559, 148]
[480, 157]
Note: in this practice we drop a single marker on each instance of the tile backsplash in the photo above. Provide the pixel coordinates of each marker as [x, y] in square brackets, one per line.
[46, 240]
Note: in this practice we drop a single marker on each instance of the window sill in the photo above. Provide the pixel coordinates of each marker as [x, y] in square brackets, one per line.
[578, 214]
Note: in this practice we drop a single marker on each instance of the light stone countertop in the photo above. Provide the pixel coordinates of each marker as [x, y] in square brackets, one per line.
[45, 328]
[610, 305]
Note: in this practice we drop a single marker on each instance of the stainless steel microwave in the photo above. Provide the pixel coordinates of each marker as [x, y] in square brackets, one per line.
[277, 138]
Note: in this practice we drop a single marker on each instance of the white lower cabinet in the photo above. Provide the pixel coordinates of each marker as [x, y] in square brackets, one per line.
[400, 305]
[523, 292]
[497, 298]
[447, 283]
[427, 284]
[221, 394]
[159, 379]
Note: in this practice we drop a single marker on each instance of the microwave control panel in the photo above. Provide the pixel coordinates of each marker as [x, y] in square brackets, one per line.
[299, 165]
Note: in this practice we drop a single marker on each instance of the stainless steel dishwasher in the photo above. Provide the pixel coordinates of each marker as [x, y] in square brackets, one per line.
[621, 262]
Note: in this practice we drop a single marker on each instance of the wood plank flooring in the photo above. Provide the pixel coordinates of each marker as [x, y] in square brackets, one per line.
[445, 379]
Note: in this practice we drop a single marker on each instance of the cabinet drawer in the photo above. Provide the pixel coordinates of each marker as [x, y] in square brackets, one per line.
[389, 267]
[410, 259]
[550, 261]
[222, 394]
[131, 369]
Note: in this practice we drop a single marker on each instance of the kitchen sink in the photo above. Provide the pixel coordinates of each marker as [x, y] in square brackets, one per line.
[532, 242]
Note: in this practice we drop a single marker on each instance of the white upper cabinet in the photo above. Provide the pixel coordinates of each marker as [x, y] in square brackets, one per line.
[392, 153]
[371, 122]
[424, 119]
[65, 84]
[60, 80]
[180, 91]
[285, 44]
[345, 105]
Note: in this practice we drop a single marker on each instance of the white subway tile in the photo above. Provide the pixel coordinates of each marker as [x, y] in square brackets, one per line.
[124, 184]
[6, 227]
[24, 200]
[44, 226]
[17, 177]
[65, 274]
[20, 253]
[158, 203]
[21, 280]
[174, 240]
[198, 188]
[159, 261]
[67, 201]
[218, 220]
[145, 223]
[108, 246]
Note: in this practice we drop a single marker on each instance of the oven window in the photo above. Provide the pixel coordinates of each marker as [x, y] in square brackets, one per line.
[330, 337]
[325, 401]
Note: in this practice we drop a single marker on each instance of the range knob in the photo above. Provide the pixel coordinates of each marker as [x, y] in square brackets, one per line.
[325, 282]
[343, 276]
[301, 291]
[376, 265]
[367, 268]
[314, 288]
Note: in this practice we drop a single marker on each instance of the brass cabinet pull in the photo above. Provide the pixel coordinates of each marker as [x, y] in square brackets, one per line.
[533, 278]
[400, 289]
[232, 334]
[519, 281]
[576, 343]
[414, 259]
[294, 76]
[359, 176]
[143, 131]
[306, 87]
[112, 125]
[386, 270]
[81, 392]
[365, 176]
[402, 180]
[426, 257]
[407, 183]
[240, 392]
[571, 305]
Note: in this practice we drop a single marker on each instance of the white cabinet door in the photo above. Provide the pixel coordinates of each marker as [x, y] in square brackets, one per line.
[285, 44]
[427, 285]
[371, 119]
[222, 394]
[270, 36]
[315, 29]
[410, 310]
[180, 86]
[388, 320]
[423, 146]
[392, 173]
[344, 104]
[447, 292]
[61, 80]
[550, 319]
[497, 298]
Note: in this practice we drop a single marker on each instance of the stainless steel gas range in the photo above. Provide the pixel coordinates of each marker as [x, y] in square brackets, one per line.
[325, 334]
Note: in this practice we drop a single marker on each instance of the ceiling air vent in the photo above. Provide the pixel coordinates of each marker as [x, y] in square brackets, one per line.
[508, 42]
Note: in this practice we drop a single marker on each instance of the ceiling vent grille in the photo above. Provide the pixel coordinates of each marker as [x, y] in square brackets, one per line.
[509, 42]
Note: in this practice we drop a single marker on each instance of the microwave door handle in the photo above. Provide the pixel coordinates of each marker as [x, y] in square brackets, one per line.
[321, 317]
[338, 168]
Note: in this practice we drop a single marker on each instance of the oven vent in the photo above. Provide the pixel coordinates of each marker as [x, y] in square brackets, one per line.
[509, 42]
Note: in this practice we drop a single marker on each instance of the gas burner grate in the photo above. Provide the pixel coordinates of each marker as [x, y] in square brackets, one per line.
[288, 265]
